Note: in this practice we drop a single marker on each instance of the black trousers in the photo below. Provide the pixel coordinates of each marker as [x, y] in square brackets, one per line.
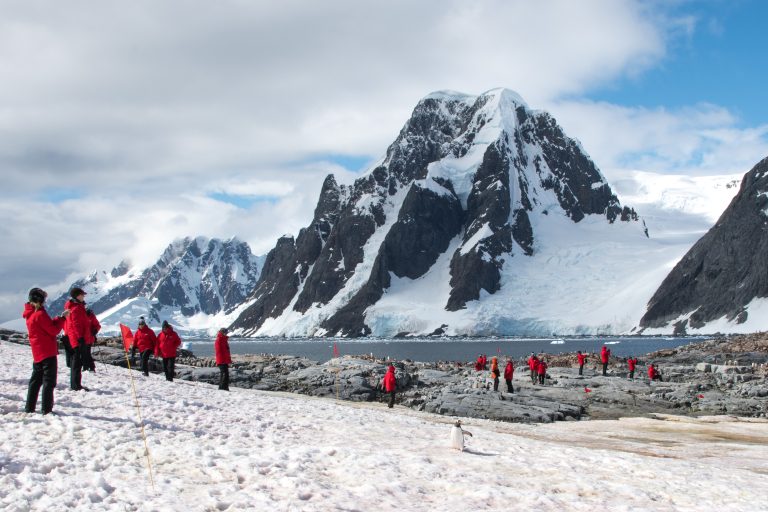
[495, 383]
[509, 386]
[169, 364]
[541, 378]
[632, 374]
[145, 362]
[224, 379]
[581, 369]
[605, 368]
[68, 351]
[76, 370]
[391, 400]
[43, 374]
[88, 363]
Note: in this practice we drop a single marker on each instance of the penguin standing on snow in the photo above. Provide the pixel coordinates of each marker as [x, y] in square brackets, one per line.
[457, 436]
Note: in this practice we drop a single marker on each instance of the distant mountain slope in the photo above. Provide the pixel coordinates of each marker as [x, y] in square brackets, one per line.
[194, 284]
[722, 282]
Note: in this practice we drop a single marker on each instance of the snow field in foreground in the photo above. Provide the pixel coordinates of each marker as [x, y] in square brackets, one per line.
[250, 450]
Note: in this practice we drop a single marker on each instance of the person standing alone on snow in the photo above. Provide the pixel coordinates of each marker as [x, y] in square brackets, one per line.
[145, 340]
[495, 373]
[605, 356]
[45, 349]
[223, 357]
[78, 328]
[509, 373]
[168, 342]
[390, 385]
[582, 358]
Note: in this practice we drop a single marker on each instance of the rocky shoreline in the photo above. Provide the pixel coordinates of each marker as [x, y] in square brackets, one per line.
[718, 376]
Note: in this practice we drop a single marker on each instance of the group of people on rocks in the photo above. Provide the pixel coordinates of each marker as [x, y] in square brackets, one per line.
[80, 327]
[538, 368]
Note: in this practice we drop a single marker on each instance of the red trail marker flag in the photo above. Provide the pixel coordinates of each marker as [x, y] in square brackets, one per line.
[127, 337]
[335, 350]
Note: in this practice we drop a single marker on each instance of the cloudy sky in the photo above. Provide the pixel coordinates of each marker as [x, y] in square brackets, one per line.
[124, 125]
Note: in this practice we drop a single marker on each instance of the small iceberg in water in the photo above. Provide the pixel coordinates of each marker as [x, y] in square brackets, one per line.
[557, 342]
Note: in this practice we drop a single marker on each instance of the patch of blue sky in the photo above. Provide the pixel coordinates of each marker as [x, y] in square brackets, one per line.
[59, 195]
[722, 61]
[242, 201]
[354, 163]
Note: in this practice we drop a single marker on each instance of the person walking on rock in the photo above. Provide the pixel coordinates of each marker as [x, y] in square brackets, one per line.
[632, 363]
[582, 358]
[77, 327]
[42, 331]
[533, 361]
[605, 356]
[168, 343]
[541, 370]
[223, 357]
[390, 385]
[495, 372]
[145, 340]
[93, 329]
[509, 373]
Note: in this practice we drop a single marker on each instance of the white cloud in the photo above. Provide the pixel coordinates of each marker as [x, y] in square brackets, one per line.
[699, 139]
[142, 110]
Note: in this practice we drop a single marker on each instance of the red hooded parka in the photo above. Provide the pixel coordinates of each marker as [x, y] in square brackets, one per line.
[509, 371]
[93, 329]
[42, 332]
[221, 346]
[144, 338]
[605, 354]
[77, 327]
[168, 342]
[390, 381]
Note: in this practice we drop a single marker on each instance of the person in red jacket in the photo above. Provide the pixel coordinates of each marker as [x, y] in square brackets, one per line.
[541, 370]
[77, 328]
[632, 363]
[223, 357]
[168, 342]
[533, 361]
[42, 331]
[93, 329]
[582, 358]
[479, 363]
[653, 373]
[509, 373]
[145, 340]
[390, 384]
[605, 356]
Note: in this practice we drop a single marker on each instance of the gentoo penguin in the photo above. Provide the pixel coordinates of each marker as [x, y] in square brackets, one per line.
[457, 436]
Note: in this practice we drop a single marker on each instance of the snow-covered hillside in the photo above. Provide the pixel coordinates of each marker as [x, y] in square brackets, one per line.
[482, 218]
[197, 284]
[251, 450]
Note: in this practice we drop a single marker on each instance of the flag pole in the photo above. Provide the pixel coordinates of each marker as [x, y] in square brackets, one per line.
[138, 411]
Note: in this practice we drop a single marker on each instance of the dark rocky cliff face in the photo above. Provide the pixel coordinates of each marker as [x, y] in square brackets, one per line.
[725, 269]
[415, 213]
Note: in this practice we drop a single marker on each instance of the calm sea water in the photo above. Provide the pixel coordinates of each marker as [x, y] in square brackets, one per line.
[431, 349]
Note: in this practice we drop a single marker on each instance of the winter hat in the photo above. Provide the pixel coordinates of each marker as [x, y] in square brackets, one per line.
[142, 321]
[37, 295]
[76, 292]
[166, 324]
[223, 330]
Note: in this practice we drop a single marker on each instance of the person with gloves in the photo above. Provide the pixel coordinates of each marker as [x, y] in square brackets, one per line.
[168, 343]
[77, 328]
[42, 331]
[145, 341]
